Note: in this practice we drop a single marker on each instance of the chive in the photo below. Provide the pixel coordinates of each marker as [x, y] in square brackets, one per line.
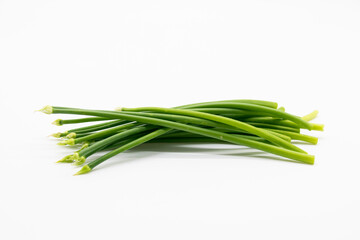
[129, 145]
[257, 108]
[60, 122]
[77, 135]
[79, 157]
[98, 145]
[255, 102]
[256, 131]
[198, 121]
[317, 127]
[241, 125]
[97, 127]
[273, 126]
[59, 134]
[271, 120]
[230, 130]
[298, 136]
[300, 156]
[197, 139]
[227, 111]
[179, 118]
[194, 139]
[252, 123]
[186, 137]
[310, 116]
[97, 135]
[100, 113]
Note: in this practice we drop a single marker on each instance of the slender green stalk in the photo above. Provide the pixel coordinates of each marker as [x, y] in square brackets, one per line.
[97, 127]
[175, 135]
[60, 122]
[147, 118]
[110, 140]
[183, 135]
[243, 126]
[59, 134]
[298, 136]
[98, 135]
[192, 140]
[180, 118]
[80, 156]
[271, 120]
[203, 122]
[237, 131]
[306, 158]
[228, 121]
[273, 126]
[197, 130]
[253, 123]
[254, 102]
[226, 111]
[187, 137]
[77, 135]
[123, 148]
[257, 108]
[317, 127]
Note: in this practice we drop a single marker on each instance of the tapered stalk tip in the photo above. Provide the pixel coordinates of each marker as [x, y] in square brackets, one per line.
[85, 145]
[47, 109]
[71, 135]
[57, 122]
[56, 135]
[70, 142]
[83, 170]
[66, 159]
[79, 161]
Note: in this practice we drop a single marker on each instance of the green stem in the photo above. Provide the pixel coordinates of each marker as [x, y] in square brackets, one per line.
[299, 156]
[206, 132]
[297, 136]
[106, 132]
[110, 140]
[273, 126]
[249, 101]
[97, 127]
[310, 116]
[257, 108]
[228, 121]
[237, 124]
[271, 120]
[226, 111]
[60, 122]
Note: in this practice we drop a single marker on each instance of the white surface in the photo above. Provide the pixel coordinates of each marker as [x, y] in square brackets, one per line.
[104, 54]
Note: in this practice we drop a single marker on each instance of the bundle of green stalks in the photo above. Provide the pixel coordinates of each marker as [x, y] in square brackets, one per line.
[252, 123]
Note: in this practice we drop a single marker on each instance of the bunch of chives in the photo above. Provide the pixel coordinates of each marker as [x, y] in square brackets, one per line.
[253, 123]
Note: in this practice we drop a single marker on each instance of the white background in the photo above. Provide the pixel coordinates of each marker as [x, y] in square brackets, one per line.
[103, 54]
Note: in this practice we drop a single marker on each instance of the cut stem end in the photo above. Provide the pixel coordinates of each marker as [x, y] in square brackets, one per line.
[83, 170]
[47, 109]
[57, 122]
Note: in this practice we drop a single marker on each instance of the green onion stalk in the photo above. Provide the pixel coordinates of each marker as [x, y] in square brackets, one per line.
[256, 124]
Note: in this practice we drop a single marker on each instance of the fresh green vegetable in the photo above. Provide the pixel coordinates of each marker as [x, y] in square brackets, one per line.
[252, 123]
